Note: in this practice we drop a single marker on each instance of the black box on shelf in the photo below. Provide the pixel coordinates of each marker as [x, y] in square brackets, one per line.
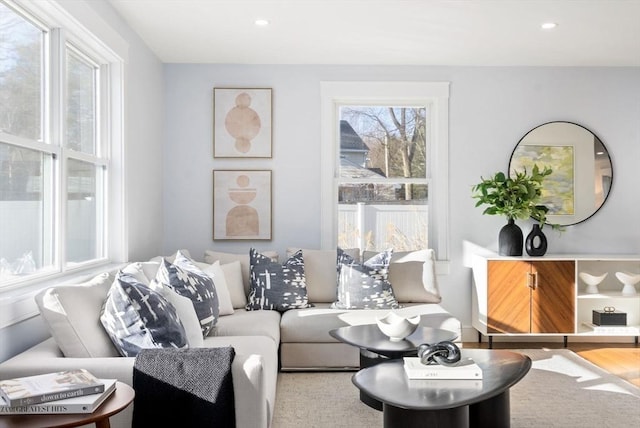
[601, 317]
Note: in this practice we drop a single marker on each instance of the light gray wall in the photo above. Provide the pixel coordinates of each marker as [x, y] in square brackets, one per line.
[144, 132]
[490, 110]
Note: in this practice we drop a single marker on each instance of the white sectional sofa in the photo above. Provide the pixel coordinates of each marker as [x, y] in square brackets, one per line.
[264, 341]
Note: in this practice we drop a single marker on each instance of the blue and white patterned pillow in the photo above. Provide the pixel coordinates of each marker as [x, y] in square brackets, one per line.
[186, 279]
[366, 285]
[277, 287]
[137, 317]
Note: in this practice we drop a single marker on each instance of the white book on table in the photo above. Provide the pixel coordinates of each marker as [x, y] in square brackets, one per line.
[82, 404]
[458, 384]
[465, 369]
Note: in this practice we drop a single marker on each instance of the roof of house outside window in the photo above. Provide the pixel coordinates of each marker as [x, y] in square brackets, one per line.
[350, 140]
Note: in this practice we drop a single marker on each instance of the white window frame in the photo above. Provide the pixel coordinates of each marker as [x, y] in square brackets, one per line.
[435, 95]
[64, 29]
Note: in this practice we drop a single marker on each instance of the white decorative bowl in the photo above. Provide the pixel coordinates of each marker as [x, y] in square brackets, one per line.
[397, 327]
[592, 281]
[629, 280]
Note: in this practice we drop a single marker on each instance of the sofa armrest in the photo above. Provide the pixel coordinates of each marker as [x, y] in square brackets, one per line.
[249, 393]
[248, 374]
[46, 357]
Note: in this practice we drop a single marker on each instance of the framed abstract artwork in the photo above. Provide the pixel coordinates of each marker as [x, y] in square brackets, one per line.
[242, 123]
[241, 204]
[559, 187]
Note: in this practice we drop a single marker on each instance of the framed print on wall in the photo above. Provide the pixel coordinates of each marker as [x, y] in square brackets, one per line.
[242, 123]
[242, 204]
[558, 193]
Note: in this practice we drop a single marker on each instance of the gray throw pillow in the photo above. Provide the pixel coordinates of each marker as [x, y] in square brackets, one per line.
[187, 280]
[277, 287]
[366, 285]
[137, 317]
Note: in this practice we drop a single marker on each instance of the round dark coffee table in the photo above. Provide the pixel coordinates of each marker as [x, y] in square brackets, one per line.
[409, 403]
[375, 347]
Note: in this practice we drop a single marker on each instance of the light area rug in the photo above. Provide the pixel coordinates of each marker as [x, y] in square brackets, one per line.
[561, 390]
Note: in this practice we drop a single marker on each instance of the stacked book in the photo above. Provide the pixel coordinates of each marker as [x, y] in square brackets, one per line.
[465, 369]
[71, 391]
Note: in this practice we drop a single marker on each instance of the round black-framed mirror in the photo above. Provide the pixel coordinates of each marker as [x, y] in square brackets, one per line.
[582, 170]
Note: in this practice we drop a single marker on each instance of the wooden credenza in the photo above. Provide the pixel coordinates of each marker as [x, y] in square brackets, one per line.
[544, 295]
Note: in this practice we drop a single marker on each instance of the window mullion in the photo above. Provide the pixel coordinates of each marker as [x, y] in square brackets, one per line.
[85, 157]
[394, 180]
[27, 143]
[56, 102]
[57, 129]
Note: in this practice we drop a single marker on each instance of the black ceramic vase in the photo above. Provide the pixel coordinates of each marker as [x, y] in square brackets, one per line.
[536, 242]
[510, 239]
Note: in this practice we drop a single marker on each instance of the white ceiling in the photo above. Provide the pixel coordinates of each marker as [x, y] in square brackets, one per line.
[418, 32]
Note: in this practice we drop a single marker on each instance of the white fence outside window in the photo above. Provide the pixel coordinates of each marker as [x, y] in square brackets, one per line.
[402, 227]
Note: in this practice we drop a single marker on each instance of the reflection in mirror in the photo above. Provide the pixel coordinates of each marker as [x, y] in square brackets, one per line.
[582, 172]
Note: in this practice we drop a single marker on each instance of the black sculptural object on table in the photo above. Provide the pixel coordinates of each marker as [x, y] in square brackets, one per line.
[444, 353]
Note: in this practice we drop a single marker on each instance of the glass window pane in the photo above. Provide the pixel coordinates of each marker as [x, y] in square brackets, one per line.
[379, 216]
[382, 141]
[81, 104]
[21, 64]
[84, 211]
[25, 212]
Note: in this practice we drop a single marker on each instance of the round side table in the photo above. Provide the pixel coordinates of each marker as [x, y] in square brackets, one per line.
[118, 401]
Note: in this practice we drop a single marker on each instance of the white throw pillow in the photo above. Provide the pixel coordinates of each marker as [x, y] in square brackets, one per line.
[188, 317]
[321, 273]
[172, 257]
[217, 274]
[187, 279]
[72, 314]
[144, 272]
[233, 276]
[408, 270]
[224, 258]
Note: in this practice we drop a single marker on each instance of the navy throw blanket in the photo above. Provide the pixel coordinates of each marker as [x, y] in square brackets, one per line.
[184, 388]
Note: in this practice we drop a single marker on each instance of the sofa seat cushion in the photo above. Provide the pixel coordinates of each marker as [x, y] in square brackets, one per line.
[312, 325]
[249, 323]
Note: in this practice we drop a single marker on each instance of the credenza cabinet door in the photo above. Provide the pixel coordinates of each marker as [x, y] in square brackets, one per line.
[553, 297]
[530, 296]
[509, 298]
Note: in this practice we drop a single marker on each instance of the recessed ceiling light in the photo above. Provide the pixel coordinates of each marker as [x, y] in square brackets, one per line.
[549, 25]
[261, 22]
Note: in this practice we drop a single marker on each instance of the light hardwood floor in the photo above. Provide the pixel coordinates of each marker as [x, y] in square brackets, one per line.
[621, 359]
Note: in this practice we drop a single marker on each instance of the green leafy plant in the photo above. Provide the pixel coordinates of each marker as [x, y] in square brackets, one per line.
[515, 197]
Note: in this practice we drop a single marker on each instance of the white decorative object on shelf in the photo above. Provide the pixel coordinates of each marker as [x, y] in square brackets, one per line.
[592, 281]
[629, 280]
[396, 326]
